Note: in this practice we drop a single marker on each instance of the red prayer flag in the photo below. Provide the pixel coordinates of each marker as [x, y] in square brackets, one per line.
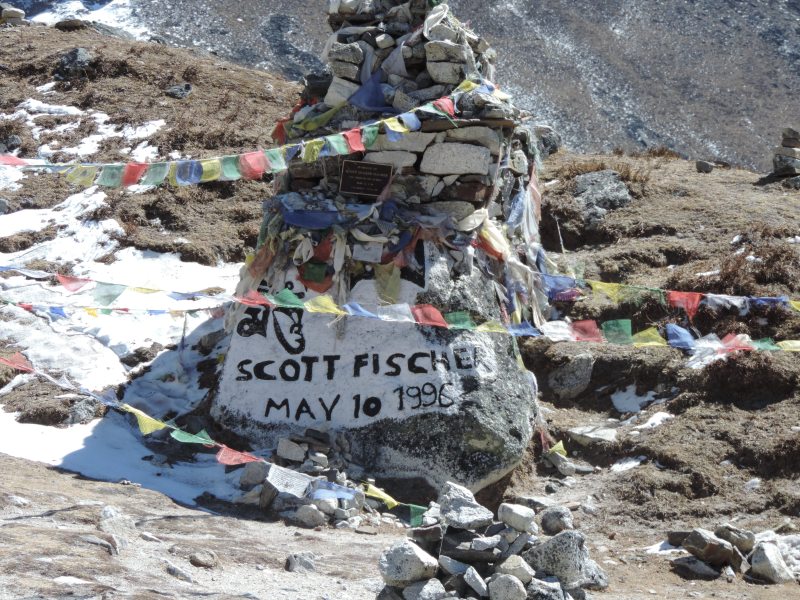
[253, 298]
[72, 284]
[586, 331]
[133, 173]
[253, 164]
[230, 457]
[28, 307]
[11, 161]
[733, 343]
[688, 301]
[425, 314]
[446, 105]
[353, 138]
[18, 362]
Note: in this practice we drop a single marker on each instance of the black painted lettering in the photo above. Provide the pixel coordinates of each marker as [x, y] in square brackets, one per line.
[260, 371]
[412, 362]
[309, 361]
[303, 409]
[372, 406]
[463, 359]
[329, 410]
[245, 374]
[395, 368]
[290, 370]
[330, 361]
[376, 364]
[272, 404]
[361, 361]
[443, 360]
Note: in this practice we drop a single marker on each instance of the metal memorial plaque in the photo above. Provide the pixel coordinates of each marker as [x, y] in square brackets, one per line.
[364, 178]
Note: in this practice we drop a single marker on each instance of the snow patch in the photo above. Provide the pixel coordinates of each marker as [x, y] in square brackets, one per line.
[626, 464]
[655, 420]
[117, 13]
[627, 401]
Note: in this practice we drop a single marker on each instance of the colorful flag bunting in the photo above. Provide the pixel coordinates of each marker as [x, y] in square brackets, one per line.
[337, 144]
[311, 150]
[678, 337]
[524, 330]
[286, 298]
[373, 492]
[188, 172]
[18, 362]
[491, 327]
[369, 134]
[612, 290]
[184, 437]
[410, 121]
[446, 105]
[356, 310]
[396, 313]
[765, 345]
[790, 345]
[795, 304]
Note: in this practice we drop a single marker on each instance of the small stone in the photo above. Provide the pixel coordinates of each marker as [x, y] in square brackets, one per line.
[12, 13]
[791, 142]
[592, 434]
[452, 566]
[207, 559]
[340, 91]
[350, 53]
[149, 537]
[319, 458]
[517, 516]
[704, 166]
[603, 189]
[178, 573]
[12, 142]
[790, 132]
[790, 152]
[301, 562]
[743, 540]
[534, 502]
[507, 587]
[444, 51]
[516, 566]
[709, 548]
[556, 519]
[476, 582]
[405, 563]
[459, 508]
[289, 450]
[442, 32]
[403, 102]
[545, 590]
[384, 41]
[413, 141]
[427, 93]
[690, 567]
[75, 63]
[329, 506]
[456, 159]
[179, 91]
[253, 474]
[785, 165]
[566, 557]
[793, 183]
[425, 590]
[345, 70]
[675, 538]
[571, 379]
[446, 72]
[310, 516]
[487, 543]
[768, 565]
[399, 160]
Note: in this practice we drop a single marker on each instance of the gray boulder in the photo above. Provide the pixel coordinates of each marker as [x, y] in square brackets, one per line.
[425, 590]
[715, 551]
[704, 166]
[516, 566]
[405, 563]
[793, 183]
[785, 165]
[476, 582]
[768, 565]
[545, 590]
[741, 539]
[566, 557]
[76, 63]
[506, 587]
[459, 508]
[556, 519]
[690, 567]
[600, 192]
[518, 517]
[571, 379]
[310, 516]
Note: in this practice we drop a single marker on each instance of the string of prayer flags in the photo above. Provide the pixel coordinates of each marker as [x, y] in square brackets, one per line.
[212, 170]
[230, 168]
[276, 159]
[795, 304]
[323, 304]
[356, 310]
[311, 150]
[678, 337]
[337, 144]
[790, 345]
[286, 298]
[523, 330]
[111, 176]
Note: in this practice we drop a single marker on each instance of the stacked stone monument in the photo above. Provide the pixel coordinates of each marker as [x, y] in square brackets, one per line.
[787, 157]
[429, 209]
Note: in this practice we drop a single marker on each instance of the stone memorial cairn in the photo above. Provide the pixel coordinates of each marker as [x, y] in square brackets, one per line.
[11, 16]
[787, 157]
[462, 551]
[410, 194]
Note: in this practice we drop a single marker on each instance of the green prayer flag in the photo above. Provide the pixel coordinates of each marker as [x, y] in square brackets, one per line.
[459, 320]
[286, 298]
[106, 293]
[230, 168]
[156, 174]
[766, 344]
[315, 271]
[276, 160]
[337, 143]
[111, 176]
[369, 134]
[320, 120]
[192, 438]
[618, 332]
[416, 514]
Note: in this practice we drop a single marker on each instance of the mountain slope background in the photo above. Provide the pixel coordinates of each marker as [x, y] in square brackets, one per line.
[713, 79]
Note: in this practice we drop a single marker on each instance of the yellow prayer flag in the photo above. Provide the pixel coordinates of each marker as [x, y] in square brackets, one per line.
[212, 170]
[648, 337]
[140, 290]
[323, 304]
[795, 304]
[395, 125]
[491, 327]
[82, 176]
[466, 86]
[172, 177]
[558, 449]
[147, 424]
[176, 313]
[612, 290]
[92, 312]
[373, 492]
[790, 345]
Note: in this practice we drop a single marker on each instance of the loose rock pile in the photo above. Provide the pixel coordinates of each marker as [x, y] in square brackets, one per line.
[11, 16]
[787, 157]
[462, 551]
[730, 551]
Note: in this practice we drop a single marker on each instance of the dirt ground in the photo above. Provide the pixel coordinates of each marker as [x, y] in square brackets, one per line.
[730, 452]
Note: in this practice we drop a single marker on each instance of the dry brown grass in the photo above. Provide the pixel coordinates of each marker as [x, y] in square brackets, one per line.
[627, 173]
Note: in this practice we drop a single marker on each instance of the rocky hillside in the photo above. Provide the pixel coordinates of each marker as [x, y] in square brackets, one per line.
[714, 79]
